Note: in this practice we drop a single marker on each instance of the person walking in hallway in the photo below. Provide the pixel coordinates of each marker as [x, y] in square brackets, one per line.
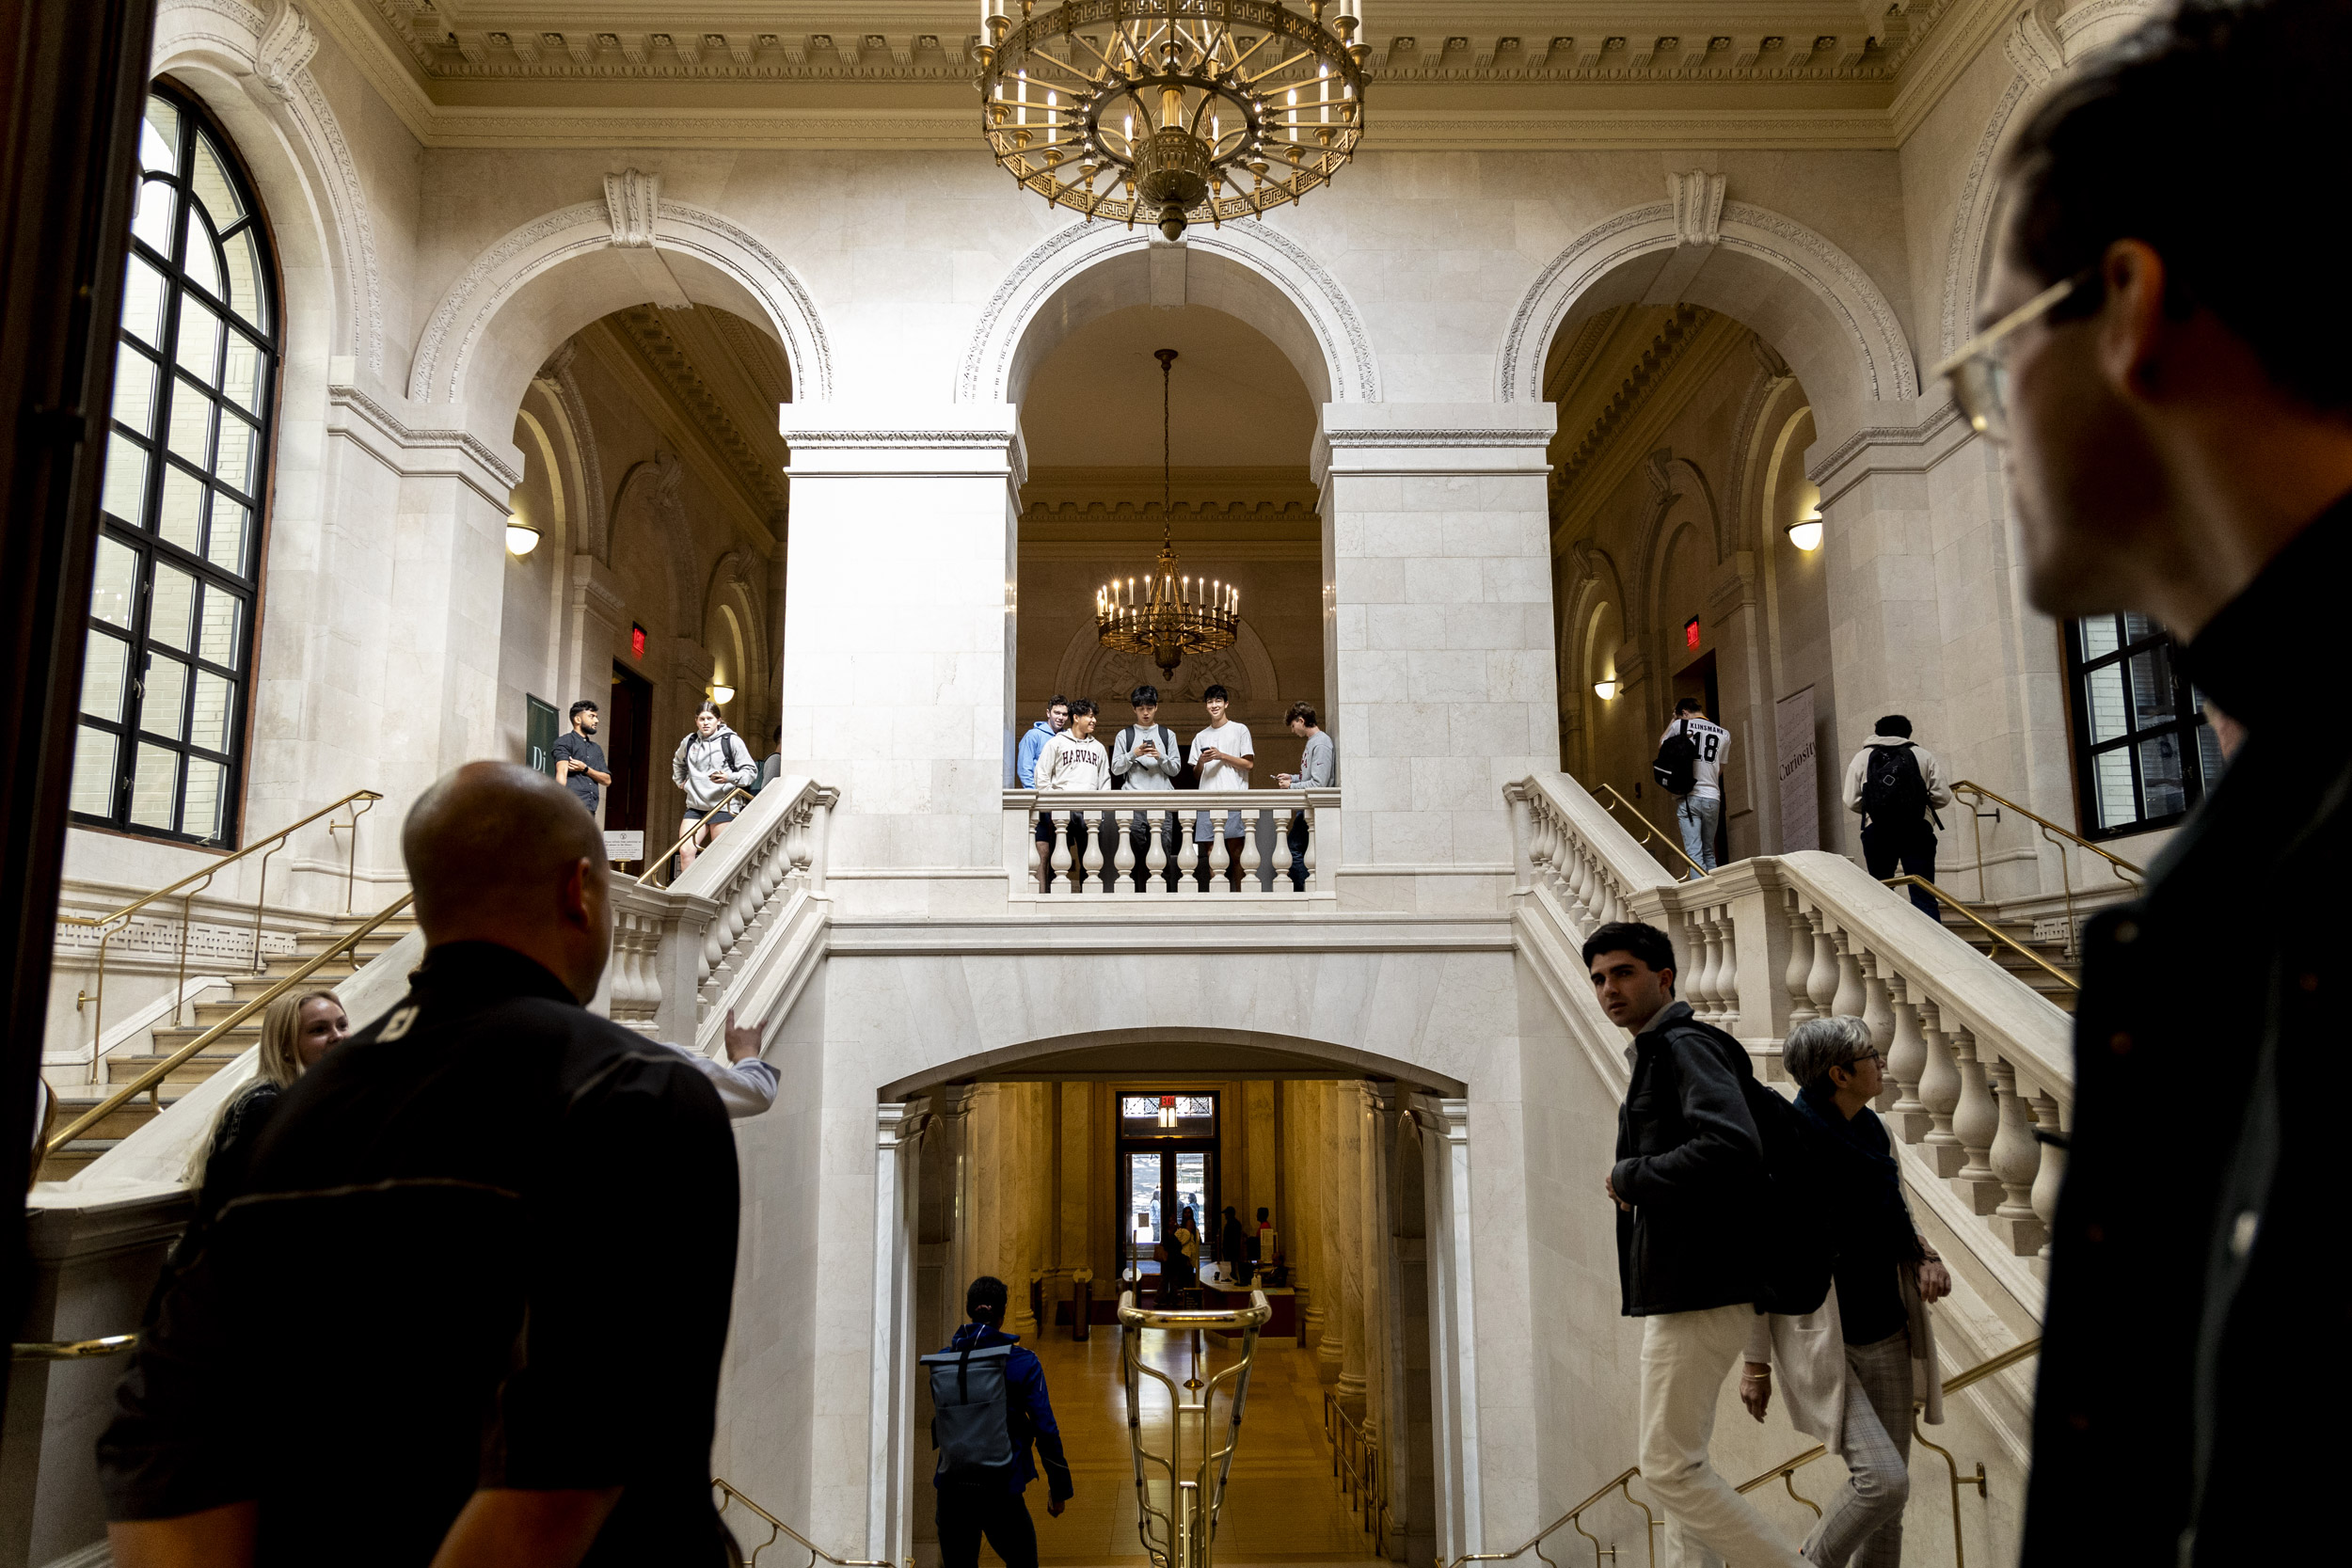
[484, 1193]
[1855, 1364]
[985, 1466]
[580, 765]
[710, 764]
[1699, 748]
[2178, 444]
[1896, 786]
[1689, 1185]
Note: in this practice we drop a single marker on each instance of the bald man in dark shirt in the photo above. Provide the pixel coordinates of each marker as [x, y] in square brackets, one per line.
[418, 1332]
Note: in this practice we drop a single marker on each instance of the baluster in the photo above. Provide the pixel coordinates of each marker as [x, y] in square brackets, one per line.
[1800, 964]
[1061, 857]
[1093, 877]
[1975, 1123]
[1879, 1017]
[1906, 1059]
[2051, 1174]
[1726, 968]
[1251, 859]
[1711, 966]
[648, 970]
[1155, 851]
[1187, 858]
[2016, 1163]
[1121, 826]
[1690, 983]
[1570, 880]
[1284, 859]
[1939, 1092]
[797, 847]
[1821, 982]
[1848, 1002]
[1315, 837]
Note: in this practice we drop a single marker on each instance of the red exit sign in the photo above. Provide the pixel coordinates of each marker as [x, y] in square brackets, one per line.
[637, 640]
[1690, 632]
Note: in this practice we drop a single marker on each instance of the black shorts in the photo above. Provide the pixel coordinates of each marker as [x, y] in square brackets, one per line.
[718, 819]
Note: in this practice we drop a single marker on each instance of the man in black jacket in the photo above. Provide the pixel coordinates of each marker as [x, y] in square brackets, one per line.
[2179, 444]
[487, 1199]
[1689, 1185]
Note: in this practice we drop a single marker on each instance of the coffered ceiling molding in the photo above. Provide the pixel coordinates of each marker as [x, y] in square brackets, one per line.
[861, 74]
[693, 253]
[1815, 304]
[1252, 271]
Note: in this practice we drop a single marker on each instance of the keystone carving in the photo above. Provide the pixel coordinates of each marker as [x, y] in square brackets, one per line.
[634, 199]
[1698, 204]
[287, 45]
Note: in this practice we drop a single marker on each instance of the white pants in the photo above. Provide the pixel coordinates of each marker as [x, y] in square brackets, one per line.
[1685, 1358]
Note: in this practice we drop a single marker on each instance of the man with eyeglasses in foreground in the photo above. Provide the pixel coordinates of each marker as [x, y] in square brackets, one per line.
[2175, 416]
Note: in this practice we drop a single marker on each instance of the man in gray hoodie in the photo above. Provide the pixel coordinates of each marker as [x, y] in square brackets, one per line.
[1146, 755]
[710, 764]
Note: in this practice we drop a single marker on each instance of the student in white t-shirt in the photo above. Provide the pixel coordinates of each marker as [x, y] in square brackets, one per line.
[1222, 755]
[1698, 813]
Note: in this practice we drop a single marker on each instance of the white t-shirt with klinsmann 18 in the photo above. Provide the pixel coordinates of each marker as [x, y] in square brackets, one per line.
[1233, 738]
[1715, 744]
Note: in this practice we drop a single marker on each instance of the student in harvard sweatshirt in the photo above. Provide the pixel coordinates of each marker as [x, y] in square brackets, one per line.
[1072, 760]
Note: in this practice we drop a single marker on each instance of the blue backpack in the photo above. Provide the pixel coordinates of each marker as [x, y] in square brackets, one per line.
[971, 1413]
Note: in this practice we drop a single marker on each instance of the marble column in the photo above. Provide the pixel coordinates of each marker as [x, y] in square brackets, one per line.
[1300, 1224]
[1349, 1236]
[1332, 1250]
[1371, 1105]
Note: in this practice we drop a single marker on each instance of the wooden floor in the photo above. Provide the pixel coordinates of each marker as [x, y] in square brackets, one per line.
[1281, 1506]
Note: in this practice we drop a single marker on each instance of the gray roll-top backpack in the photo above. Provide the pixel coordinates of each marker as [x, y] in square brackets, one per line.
[971, 1413]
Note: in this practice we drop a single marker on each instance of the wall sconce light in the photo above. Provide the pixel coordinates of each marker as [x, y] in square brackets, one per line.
[723, 695]
[1806, 532]
[521, 538]
[1605, 690]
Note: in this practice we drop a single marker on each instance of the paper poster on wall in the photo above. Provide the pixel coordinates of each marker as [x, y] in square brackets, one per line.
[1800, 787]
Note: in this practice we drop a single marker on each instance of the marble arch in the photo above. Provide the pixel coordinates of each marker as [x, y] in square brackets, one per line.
[1148, 1051]
[542, 281]
[1250, 271]
[1806, 297]
[1086, 669]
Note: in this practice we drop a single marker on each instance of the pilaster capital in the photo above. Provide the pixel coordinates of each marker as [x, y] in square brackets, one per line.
[903, 439]
[1433, 437]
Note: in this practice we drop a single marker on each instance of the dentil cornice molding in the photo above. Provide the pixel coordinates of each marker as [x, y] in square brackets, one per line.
[1581, 75]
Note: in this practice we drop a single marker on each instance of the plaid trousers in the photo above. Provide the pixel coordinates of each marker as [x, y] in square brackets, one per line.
[1864, 1527]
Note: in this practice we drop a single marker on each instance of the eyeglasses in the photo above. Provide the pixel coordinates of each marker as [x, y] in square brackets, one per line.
[1979, 370]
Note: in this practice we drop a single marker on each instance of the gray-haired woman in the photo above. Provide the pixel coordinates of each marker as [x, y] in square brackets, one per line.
[1856, 1367]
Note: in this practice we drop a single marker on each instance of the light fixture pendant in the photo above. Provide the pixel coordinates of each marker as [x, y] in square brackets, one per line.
[1168, 614]
[521, 538]
[1172, 111]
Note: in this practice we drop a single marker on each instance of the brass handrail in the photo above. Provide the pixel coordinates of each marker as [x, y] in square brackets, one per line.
[1952, 1385]
[1360, 1480]
[71, 1350]
[654, 866]
[196, 882]
[1649, 829]
[2055, 835]
[777, 1527]
[1196, 1472]
[155, 1075]
[1988, 927]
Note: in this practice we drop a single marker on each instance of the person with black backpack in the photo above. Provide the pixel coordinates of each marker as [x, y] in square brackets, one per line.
[1147, 756]
[709, 765]
[1700, 1145]
[989, 1409]
[1896, 786]
[1690, 767]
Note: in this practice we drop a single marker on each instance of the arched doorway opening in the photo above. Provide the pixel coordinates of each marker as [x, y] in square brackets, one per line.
[1021, 1165]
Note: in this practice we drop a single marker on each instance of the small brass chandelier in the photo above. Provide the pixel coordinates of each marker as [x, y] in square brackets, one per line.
[1168, 614]
[1172, 111]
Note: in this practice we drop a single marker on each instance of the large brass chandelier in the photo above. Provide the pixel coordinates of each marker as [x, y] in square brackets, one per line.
[1167, 613]
[1173, 111]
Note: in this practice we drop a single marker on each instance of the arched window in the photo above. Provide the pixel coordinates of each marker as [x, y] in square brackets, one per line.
[167, 671]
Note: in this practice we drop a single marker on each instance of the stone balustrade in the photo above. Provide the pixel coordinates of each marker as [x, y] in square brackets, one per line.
[1979, 1066]
[1126, 833]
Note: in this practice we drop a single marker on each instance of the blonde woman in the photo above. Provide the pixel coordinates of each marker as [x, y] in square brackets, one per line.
[296, 1030]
